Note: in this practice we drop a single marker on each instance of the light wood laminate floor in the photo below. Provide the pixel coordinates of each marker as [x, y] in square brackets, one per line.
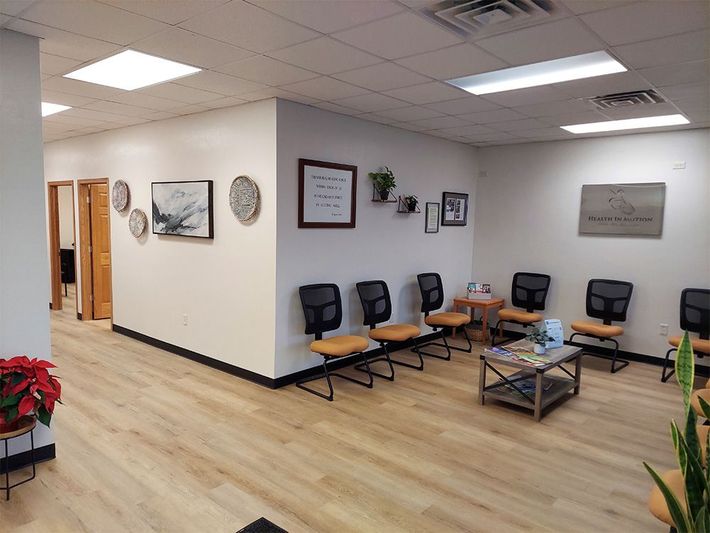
[148, 441]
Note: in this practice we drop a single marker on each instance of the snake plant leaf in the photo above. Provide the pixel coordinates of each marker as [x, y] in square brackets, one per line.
[680, 519]
[702, 520]
[705, 406]
[685, 369]
[695, 483]
[679, 450]
[691, 435]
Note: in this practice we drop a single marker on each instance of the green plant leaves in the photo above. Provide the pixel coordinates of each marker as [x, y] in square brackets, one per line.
[685, 369]
[681, 521]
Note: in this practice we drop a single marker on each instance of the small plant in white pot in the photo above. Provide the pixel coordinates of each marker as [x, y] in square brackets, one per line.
[540, 338]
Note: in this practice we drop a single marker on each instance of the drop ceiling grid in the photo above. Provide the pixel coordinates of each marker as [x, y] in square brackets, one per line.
[349, 82]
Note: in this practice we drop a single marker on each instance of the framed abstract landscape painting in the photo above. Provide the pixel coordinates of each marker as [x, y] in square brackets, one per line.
[183, 208]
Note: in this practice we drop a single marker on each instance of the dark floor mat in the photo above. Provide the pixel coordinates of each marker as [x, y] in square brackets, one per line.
[262, 526]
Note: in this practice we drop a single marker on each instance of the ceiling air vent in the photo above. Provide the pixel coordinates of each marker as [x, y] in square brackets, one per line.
[479, 17]
[633, 98]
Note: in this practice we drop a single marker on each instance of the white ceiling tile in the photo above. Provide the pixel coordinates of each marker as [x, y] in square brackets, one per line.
[545, 133]
[324, 88]
[325, 55]
[382, 77]
[63, 43]
[545, 109]
[147, 101]
[277, 92]
[690, 72]
[532, 95]
[371, 102]
[438, 123]
[584, 117]
[208, 80]
[181, 93]
[52, 65]
[406, 114]
[96, 115]
[557, 39]
[249, 27]
[335, 108]
[170, 11]
[4, 19]
[648, 110]
[93, 19]
[411, 126]
[81, 88]
[426, 93]
[648, 20]
[691, 46]
[496, 115]
[601, 85]
[190, 48]
[465, 131]
[685, 90]
[266, 70]
[587, 6]
[333, 15]
[468, 104]
[700, 116]
[71, 100]
[118, 109]
[228, 101]
[374, 117]
[159, 115]
[398, 36]
[453, 62]
[519, 125]
[189, 109]
[14, 7]
[70, 121]
[490, 136]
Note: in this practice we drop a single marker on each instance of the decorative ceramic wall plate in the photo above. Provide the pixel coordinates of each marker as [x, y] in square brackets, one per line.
[120, 195]
[137, 222]
[244, 198]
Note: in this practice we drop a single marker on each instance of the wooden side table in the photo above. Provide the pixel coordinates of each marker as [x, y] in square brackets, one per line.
[484, 306]
[27, 425]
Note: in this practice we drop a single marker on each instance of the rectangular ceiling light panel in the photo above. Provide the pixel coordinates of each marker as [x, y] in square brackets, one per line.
[544, 73]
[131, 70]
[627, 124]
[51, 109]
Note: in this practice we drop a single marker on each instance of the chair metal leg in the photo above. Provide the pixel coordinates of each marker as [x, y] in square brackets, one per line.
[327, 375]
[437, 356]
[386, 357]
[666, 376]
[495, 331]
[369, 384]
[623, 363]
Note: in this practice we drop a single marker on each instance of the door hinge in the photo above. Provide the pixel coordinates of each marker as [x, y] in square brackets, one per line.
[91, 248]
[91, 297]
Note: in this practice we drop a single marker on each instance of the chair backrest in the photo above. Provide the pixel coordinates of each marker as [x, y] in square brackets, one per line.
[375, 300]
[530, 290]
[432, 290]
[695, 311]
[321, 307]
[608, 299]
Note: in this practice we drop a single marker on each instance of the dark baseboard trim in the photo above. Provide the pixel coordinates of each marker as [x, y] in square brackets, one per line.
[78, 316]
[197, 357]
[50, 306]
[23, 459]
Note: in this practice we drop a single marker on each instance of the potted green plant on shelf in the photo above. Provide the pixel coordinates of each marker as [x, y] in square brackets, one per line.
[384, 182]
[26, 389]
[693, 515]
[539, 337]
[411, 202]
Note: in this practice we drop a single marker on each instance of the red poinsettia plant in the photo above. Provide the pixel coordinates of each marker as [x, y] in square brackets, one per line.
[27, 387]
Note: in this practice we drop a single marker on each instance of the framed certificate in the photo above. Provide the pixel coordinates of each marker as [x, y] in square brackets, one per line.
[326, 194]
[432, 217]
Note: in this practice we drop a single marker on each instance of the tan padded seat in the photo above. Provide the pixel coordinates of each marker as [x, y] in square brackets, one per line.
[395, 332]
[519, 316]
[657, 503]
[695, 403]
[450, 320]
[597, 329]
[699, 345]
[340, 346]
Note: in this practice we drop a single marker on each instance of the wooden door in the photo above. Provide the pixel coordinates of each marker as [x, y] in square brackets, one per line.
[100, 250]
[55, 268]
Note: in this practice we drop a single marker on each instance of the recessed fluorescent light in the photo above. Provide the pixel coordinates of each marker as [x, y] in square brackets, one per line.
[51, 109]
[628, 124]
[131, 70]
[544, 73]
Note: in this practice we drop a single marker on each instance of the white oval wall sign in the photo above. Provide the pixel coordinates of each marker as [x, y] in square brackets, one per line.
[244, 198]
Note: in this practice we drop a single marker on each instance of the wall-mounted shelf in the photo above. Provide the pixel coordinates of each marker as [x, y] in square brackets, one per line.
[376, 197]
[402, 207]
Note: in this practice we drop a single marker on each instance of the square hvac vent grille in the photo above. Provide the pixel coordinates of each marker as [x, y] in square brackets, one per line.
[633, 98]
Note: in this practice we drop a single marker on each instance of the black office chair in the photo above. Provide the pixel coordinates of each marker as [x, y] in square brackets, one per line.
[608, 300]
[695, 318]
[432, 290]
[529, 292]
[323, 310]
[377, 308]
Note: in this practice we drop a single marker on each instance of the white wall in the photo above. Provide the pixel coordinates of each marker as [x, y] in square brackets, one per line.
[24, 272]
[384, 245]
[66, 217]
[226, 285]
[527, 215]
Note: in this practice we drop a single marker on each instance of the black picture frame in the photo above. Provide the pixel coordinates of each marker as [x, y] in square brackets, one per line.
[427, 228]
[302, 164]
[451, 202]
[156, 212]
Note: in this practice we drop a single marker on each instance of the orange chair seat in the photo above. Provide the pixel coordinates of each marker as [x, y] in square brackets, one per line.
[699, 345]
[395, 332]
[340, 346]
[695, 403]
[519, 316]
[656, 501]
[597, 329]
[451, 320]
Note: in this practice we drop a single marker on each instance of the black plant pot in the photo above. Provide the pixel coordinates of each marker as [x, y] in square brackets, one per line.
[384, 195]
[412, 207]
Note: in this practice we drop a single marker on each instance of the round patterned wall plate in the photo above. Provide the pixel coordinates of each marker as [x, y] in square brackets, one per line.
[119, 195]
[137, 222]
[244, 198]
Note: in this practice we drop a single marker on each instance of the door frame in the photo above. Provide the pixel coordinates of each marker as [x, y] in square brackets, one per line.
[54, 244]
[87, 272]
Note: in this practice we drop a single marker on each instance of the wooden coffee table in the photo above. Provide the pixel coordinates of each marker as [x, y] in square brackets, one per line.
[516, 388]
[484, 306]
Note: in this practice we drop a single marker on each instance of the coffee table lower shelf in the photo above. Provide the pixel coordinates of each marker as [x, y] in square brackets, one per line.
[554, 388]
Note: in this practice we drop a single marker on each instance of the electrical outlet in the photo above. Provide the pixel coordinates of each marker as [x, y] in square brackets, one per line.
[663, 329]
[678, 165]
[184, 320]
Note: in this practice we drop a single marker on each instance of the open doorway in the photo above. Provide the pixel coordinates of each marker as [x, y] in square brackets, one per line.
[95, 249]
[62, 245]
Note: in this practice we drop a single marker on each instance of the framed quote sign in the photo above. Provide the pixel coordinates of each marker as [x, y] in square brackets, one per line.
[326, 194]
